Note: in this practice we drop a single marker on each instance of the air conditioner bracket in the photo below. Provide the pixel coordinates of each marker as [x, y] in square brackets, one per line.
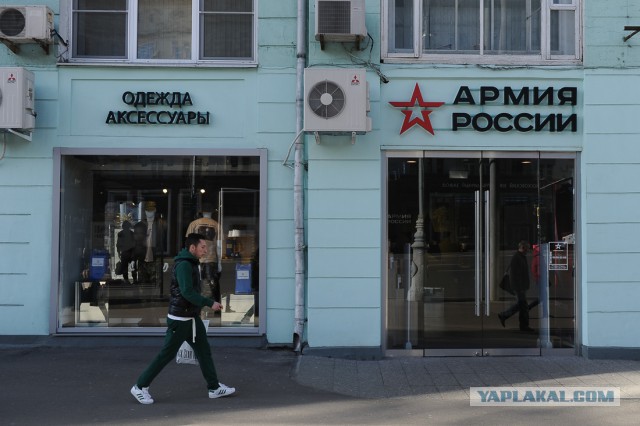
[321, 39]
[26, 135]
[317, 137]
[11, 45]
[15, 48]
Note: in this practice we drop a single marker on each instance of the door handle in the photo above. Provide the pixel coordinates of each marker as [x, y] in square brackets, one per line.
[477, 260]
[487, 253]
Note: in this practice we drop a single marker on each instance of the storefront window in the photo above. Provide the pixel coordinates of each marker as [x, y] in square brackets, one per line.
[123, 219]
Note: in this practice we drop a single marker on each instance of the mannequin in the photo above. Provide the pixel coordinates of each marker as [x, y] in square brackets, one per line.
[155, 238]
[150, 214]
[209, 266]
[139, 251]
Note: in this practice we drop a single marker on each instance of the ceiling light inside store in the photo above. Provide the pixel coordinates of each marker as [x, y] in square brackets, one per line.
[202, 191]
[165, 190]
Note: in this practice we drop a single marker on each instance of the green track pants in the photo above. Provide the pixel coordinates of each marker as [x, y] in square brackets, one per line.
[177, 333]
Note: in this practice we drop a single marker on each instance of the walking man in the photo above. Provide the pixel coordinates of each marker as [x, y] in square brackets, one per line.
[519, 279]
[184, 323]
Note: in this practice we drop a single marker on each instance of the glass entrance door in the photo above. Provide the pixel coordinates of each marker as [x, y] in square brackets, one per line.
[458, 223]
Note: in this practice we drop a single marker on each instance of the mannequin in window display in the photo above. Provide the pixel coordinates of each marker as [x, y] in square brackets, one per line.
[139, 251]
[125, 247]
[209, 267]
[153, 258]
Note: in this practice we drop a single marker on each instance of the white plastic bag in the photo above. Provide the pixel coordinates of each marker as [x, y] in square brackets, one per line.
[185, 354]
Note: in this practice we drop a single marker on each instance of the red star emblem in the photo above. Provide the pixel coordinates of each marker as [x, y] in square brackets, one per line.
[416, 99]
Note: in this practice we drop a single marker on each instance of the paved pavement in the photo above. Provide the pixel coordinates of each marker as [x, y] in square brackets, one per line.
[451, 378]
[88, 383]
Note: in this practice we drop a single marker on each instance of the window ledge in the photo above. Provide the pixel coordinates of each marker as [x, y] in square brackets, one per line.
[493, 60]
[159, 64]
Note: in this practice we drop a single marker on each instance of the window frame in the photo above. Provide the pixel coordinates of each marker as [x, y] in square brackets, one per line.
[68, 33]
[417, 55]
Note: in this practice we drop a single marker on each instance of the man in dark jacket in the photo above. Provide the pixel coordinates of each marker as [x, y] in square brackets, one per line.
[184, 323]
[519, 280]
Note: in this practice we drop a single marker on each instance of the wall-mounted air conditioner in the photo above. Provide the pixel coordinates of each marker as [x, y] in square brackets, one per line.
[340, 20]
[336, 100]
[17, 99]
[26, 24]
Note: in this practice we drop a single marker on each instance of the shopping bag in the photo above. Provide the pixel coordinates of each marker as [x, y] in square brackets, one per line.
[185, 354]
[505, 284]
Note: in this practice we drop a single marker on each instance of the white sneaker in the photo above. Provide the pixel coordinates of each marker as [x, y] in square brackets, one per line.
[223, 390]
[141, 395]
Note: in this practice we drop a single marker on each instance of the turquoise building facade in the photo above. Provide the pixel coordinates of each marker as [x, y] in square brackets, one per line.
[408, 227]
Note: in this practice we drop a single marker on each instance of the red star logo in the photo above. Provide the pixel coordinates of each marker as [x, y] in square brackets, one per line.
[416, 99]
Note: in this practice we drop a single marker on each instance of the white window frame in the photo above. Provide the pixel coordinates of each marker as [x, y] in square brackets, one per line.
[66, 30]
[416, 55]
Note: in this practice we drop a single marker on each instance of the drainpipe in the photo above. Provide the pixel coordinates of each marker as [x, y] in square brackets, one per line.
[298, 180]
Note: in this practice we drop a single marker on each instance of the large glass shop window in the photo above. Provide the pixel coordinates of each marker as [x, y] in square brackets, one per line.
[123, 219]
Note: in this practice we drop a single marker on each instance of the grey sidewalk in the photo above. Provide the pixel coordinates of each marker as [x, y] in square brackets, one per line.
[88, 381]
[451, 378]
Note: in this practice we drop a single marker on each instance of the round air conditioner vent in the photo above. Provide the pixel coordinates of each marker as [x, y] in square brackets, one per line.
[12, 22]
[326, 99]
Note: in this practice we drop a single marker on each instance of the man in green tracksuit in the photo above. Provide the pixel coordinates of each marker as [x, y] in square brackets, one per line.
[184, 323]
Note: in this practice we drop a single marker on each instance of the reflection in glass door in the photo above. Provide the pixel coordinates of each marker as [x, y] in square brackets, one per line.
[458, 223]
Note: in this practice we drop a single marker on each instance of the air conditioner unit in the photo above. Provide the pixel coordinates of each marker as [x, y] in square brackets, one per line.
[17, 99]
[24, 24]
[336, 100]
[340, 20]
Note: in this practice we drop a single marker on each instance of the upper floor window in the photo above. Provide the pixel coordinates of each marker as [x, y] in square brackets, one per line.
[157, 31]
[483, 31]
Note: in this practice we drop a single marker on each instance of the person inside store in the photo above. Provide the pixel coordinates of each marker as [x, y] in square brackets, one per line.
[519, 280]
[139, 251]
[209, 265]
[125, 246]
[184, 323]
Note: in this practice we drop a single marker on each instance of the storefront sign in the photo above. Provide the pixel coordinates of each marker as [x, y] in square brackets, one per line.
[167, 116]
[558, 256]
[506, 97]
[424, 121]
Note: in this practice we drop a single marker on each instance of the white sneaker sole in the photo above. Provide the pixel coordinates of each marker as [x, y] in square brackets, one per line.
[226, 392]
[140, 398]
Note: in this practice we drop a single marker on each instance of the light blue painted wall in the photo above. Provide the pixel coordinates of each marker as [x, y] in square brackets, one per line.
[610, 171]
[604, 23]
[344, 194]
[611, 167]
[344, 197]
[610, 164]
[25, 210]
[251, 108]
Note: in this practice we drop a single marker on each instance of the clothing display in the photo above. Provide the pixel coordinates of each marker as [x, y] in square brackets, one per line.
[150, 236]
[209, 228]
